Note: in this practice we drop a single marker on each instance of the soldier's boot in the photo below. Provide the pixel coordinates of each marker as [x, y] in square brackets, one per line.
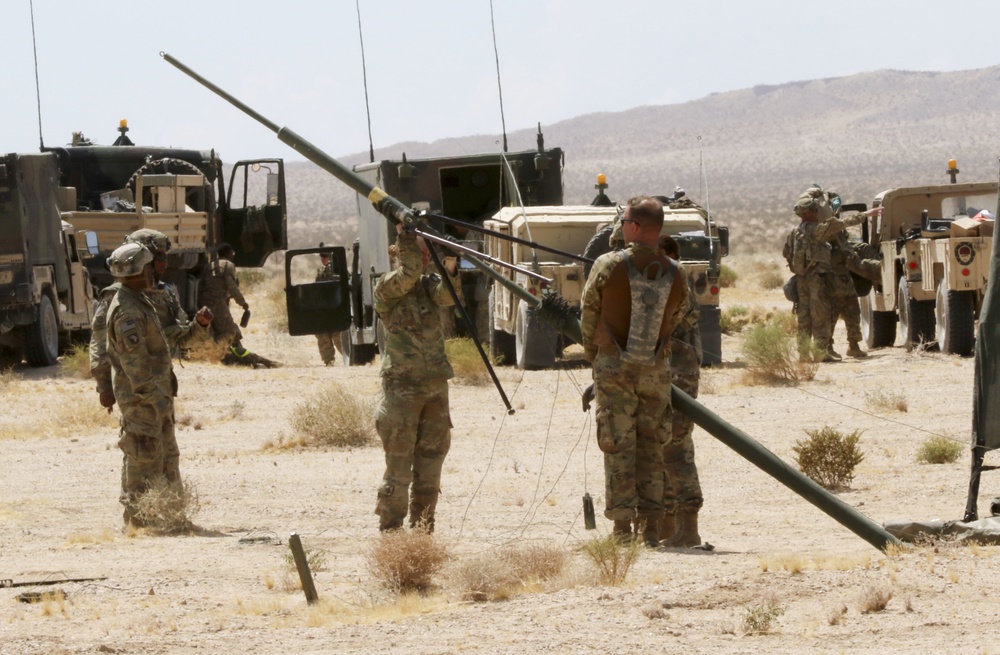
[623, 531]
[854, 350]
[650, 532]
[668, 526]
[832, 356]
[687, 531]
[422, 512]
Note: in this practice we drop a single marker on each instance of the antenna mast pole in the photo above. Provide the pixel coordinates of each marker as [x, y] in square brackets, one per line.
[496, 56]
[364, 75]
[38, 93]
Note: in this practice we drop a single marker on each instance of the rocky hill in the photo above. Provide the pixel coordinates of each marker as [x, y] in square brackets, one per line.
[761, 146]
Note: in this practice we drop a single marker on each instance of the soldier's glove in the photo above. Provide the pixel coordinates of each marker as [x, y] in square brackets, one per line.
[588, 397]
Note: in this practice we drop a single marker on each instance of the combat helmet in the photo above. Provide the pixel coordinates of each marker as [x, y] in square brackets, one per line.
[129, 260]
[152, 239]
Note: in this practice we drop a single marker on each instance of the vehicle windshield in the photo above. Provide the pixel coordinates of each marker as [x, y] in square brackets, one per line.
[968, 206]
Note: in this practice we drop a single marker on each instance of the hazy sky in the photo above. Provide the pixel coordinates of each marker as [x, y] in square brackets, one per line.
[430, 63]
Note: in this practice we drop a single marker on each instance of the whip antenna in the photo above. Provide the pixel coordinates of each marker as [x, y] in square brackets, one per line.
[38, 93]
[364, 75]
[496, 56]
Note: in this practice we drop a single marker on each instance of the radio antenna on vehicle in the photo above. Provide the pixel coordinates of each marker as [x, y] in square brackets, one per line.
[496, 56]
[364, 76]
[38, 93]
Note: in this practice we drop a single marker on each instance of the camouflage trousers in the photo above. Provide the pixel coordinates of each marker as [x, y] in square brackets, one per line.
[815, 309]
[328, 344]
[633, 419]
[149, 451]
[847, 308]
[223, 326]
[414, 423]
[682, 491]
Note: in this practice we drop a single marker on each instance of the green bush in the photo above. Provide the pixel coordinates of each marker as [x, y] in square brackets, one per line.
[774, 355]
[829, 457]
[939, 450]
[250, 278]
[727, 277]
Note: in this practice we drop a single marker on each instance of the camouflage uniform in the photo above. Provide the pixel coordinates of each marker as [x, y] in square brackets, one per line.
[218, 286]
[142, 377]
[866, 261]
[413, 419]
[683, 491]
[633, 399]
[328, 341]
[844, 296]
[808, 252]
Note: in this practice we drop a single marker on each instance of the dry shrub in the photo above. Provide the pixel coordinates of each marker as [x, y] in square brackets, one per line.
[207, 350]
[406, 560]
[250, 278]
[837, 615]
[883, 400]
[498, 575]
[939, 450]
[168, 508]
[759, 618]
[315, 559]
[874, 598]
[76, 362]
[466, 361]
[612, 558]
[829, 457]
[334, 417]
[736, 318]
[727, 277]
[774, 356]
[75, 413]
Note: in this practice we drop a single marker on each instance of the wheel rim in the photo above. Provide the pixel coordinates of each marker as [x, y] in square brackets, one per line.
[866, 319]
[941, 318]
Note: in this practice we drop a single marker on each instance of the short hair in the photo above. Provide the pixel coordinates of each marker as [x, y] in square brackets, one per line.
[646, 211]
[669, 246]
[225, 250]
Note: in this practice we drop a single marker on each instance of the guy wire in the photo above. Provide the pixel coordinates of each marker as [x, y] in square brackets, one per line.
[364, 76]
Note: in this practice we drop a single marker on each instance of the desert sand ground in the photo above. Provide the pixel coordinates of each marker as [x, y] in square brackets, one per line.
[508, 480]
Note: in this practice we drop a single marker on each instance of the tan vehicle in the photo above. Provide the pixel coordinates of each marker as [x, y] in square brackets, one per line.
[517, 335]
[935, 249]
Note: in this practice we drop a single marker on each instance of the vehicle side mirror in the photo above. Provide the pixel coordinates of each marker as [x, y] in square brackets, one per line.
[724, 240]
[92, 246]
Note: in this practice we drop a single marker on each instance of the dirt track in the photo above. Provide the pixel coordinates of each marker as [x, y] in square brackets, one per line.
[508, 479]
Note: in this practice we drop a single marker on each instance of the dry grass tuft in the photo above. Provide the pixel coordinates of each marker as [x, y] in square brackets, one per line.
[466, 361]
[829, 457]
[874, 598]
[774, 356]
[612, 558]
[500, 574]
[759, 618]
[168, 508]
[406, 560]
[76, 363]
[333, 417]
[886, 401]
[207, 351]
[736, 318]
[91, 537]
[940, 450]
[836, 615]
[78, 412]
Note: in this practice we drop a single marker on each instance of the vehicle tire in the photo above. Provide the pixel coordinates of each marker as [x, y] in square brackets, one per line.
[501, 344]
[598, 245]
[877, 328]
[955, 316]
[916, 317]
[40, 341]
[535, 341]
[357, 355]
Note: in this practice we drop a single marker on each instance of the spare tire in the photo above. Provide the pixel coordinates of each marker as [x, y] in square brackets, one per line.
[598, 245]
[171, 166]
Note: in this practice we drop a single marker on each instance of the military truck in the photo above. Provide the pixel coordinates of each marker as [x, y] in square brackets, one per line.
[113, 190]
[703, 243]
[470, 188]
[935, 252]
[46, 299]
[517, 336]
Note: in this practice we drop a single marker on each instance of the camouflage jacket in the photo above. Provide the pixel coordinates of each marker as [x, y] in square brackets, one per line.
[141, 371]
[807, 247]
[407, 302]
[221, 284]
[177, 328]
[594, 327]
[324, 273]
[685, 346]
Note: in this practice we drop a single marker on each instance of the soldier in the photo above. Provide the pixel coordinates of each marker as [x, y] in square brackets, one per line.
[173, 319]
[845, 296]
[327, 341]
[219, 284]
[413, 418]
[682, 497]
[627, 306]
[808, 253]
[142, 377]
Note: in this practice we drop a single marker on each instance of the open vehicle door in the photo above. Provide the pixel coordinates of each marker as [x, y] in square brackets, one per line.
[255, 216]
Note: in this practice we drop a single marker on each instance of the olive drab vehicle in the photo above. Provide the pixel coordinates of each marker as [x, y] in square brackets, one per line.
[934, 243]
[470, 188]
[46, 299]
[117, 189]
